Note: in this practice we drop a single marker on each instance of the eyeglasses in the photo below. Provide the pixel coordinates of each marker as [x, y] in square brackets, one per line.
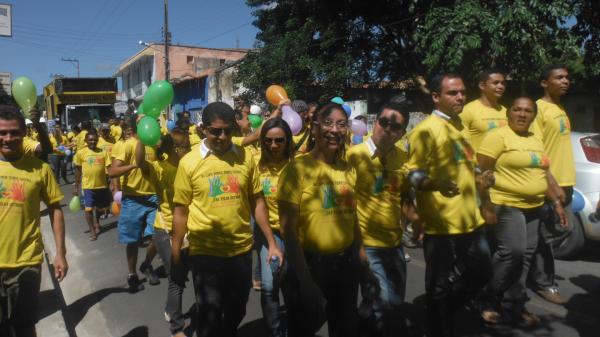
[269, 141]
[384, 122]
[328, 124]
[218, 131]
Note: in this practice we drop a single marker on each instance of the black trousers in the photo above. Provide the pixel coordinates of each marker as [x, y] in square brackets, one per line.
[458, 266]
[222, 286]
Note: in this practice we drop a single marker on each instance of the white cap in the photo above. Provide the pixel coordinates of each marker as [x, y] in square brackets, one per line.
[28, 121]
[255, 110]
[42, 120]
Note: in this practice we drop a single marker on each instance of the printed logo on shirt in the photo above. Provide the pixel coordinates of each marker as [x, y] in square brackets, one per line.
[539, 160]
[333, 199]
[219, 187]
[462, 151]
[495, 124]
[564, 125]
[14, 190]
[268, 188]
[381, 184]
[97, 160]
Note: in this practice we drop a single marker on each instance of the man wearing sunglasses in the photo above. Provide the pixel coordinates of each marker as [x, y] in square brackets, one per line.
[381, 199]
[217, 189]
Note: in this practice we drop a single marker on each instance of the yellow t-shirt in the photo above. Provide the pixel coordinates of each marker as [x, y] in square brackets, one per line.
[443, 151]
[300, 137]
[194, 137]
[29, 146]
[93, 167]
[80, 140]
[479, 119]
[56, 143]
[70, 136]
[520, 170]
[218, 189]
[269, 178]
[23, 185]
[253, 148]
[552, 125]
[378, 194]
[116, 132]
[134, 183]
[105, 146]
[325, 196]
[163, 174]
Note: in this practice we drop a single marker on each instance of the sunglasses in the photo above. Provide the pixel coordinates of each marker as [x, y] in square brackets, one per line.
[269, 141]
[384, 122]
[218, 131]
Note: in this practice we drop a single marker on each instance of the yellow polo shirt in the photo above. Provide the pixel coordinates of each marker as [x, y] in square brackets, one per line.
[553, 127]
[218, 189]
[479, 119]
[116, 132]
[326, 199]
[93, 167]
[441, 149]
[520, 170]
[23, 185]
[378, 193]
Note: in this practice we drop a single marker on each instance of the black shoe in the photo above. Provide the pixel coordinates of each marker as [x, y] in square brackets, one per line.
[151, 276]
[134, 283]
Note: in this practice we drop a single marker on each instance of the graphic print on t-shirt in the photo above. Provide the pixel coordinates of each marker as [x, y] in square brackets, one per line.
[539, 160]
[15, 192]
[223, 184]
[268, 188]
[336, 199]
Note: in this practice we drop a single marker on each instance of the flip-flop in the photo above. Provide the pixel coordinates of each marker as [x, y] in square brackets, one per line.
[93, 238]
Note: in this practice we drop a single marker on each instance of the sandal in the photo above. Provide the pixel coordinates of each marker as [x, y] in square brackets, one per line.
[93, 238]
[490, 316]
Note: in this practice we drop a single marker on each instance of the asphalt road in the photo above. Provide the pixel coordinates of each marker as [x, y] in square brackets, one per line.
[93, 299]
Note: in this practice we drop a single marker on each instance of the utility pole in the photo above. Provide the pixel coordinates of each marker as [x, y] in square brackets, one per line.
[74, 62]
[167, 38]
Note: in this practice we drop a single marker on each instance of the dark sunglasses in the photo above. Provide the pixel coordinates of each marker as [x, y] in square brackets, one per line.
[218, 131]
[384, 122]
[269, 141]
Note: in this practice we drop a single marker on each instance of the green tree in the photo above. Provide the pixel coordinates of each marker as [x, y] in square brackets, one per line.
[347, 43]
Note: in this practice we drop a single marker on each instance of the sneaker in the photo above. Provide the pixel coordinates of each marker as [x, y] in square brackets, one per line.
[256, 285]
[406, 257]
[551, 295]
[167, 317]
[134, 283]
[146, 269]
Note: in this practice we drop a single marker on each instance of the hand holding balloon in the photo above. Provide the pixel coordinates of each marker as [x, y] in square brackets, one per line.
[275, 94]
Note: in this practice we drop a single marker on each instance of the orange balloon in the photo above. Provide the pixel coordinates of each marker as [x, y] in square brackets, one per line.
[115, 209]
[276, 94]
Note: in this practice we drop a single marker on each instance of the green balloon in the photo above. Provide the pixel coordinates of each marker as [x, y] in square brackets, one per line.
[74, 204]
[148, 131]
[140, 109]
[255, 120]
[23, 90]
[158, 96]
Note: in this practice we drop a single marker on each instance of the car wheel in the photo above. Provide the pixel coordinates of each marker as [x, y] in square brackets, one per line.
[570, 244]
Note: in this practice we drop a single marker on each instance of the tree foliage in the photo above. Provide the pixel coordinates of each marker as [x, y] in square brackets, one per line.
[349, 43]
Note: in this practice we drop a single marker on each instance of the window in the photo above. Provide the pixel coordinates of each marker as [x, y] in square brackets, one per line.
[190, 59]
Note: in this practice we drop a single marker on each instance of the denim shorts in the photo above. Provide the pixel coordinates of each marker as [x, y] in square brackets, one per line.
[137, 217]
[98, 197]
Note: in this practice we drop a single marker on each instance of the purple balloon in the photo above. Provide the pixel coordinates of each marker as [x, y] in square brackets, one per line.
[292, 118]
[358, 127]
[117, 197]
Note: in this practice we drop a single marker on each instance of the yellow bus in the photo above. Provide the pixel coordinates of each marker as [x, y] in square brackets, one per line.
[74, 100]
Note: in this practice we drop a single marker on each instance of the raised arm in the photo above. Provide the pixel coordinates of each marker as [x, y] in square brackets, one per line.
[140, 158]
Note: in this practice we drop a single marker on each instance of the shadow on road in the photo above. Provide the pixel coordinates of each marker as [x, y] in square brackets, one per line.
[140, 331]
[587, 324]
[77, 310]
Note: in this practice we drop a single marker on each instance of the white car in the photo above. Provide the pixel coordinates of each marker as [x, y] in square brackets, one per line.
[586, 152]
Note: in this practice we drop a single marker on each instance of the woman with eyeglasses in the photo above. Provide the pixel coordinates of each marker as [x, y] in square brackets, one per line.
[162, 174]
[217, 188]
[514, 205]
[277, 149]
[317, 213]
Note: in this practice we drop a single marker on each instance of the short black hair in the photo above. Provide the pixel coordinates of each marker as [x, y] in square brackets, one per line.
[11, 113]
[535, 107]
[218, 110]
[435, 82]
[402, 108]
[549, 68]
[86, 125]
[91, 132]
[486, 73]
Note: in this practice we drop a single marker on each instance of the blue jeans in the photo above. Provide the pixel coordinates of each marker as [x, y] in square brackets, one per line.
[389, 268]
[269, 299]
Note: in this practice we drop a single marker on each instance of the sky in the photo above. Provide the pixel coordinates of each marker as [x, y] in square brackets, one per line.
[104, 33]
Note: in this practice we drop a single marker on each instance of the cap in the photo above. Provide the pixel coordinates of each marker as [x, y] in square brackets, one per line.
[255, 110]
